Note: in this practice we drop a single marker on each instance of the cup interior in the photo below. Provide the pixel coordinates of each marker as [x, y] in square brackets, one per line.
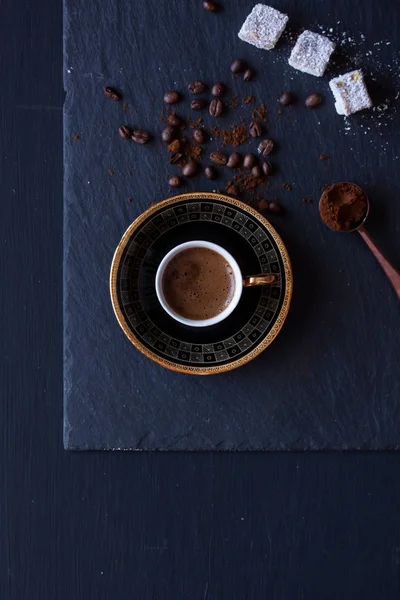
[237, 276]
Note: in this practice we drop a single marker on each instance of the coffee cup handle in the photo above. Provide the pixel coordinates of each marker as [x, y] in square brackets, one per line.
[253, 280]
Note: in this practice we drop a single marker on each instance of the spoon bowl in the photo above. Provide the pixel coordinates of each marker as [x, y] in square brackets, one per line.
[392, 274]
[361, 192]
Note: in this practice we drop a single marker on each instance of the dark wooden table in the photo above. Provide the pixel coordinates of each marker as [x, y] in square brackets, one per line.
[145, 526]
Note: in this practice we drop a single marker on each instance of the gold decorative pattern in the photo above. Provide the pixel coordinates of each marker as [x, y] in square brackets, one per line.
[193, 370]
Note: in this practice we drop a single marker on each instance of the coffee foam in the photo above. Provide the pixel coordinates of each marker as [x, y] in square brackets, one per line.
[198, 283]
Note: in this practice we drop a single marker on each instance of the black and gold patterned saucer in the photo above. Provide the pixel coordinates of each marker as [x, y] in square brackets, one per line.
[251, 240]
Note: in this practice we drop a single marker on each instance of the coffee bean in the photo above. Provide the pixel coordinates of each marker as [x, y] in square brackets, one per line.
[190, 168]
[255, 129]
[275, 207]
[210, 173]
[232, 189]
[265, 147]
[112, 93]
[169, 133]
[199, 135]
[248, 75]
[267, 168]
[140, 136]
[175, 158]
[313, 100]
[238, 66]
[286, 98]
[198, 104]
[172, 97]
[175, 181]
[263, 205]
[218, 158]
[174, 120]
[215, 108]
[197, 87]
[218, 89]
[249, 161]
[125, 132]
[256, 171]
[211, 6]
[234, 160]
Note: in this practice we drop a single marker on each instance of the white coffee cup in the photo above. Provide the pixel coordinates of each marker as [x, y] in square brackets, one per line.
[240, 282]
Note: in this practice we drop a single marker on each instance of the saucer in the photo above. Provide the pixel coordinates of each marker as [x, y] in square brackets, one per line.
[251, 240]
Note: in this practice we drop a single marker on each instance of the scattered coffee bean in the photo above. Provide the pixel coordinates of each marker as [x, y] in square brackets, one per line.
[257, 171]
[263, 205]
[199, 135]
[250, 161]
[175, 158]
[140, 136]
[255, 129]
[112, 93]
[267, 168]
[313, 100]
[174, 120]
[238, 66]
[275, 207]
[218, 158]
[172, 97]
[197, 87]
[234, 160]
[125, 132]
[190, 168]
[198, 104]
[211, 6]
[215, 108]
[169, 133]
[210, 173]
[175, 181]
[218, 89]
[286, 98]
[248, 75]
[265, 147]
[232, 189]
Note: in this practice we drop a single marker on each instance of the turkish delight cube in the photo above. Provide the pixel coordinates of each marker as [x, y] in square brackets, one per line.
[311, 53]
[263, 27]
[350, 93]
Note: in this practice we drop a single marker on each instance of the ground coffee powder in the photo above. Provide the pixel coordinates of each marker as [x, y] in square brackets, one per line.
[343, 206]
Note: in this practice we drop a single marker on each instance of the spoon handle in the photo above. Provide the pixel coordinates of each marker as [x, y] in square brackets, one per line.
[392, 274]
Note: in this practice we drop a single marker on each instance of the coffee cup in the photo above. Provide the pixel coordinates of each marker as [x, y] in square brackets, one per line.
[199, 283]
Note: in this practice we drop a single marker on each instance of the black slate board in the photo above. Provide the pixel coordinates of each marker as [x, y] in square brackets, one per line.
[330, 380]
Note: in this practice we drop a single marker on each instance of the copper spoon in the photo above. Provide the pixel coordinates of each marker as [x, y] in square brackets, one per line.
[391, 273]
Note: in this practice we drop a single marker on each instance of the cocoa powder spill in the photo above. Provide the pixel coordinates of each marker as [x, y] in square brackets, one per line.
[260, 113]
[343, 206]
[233, 136]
